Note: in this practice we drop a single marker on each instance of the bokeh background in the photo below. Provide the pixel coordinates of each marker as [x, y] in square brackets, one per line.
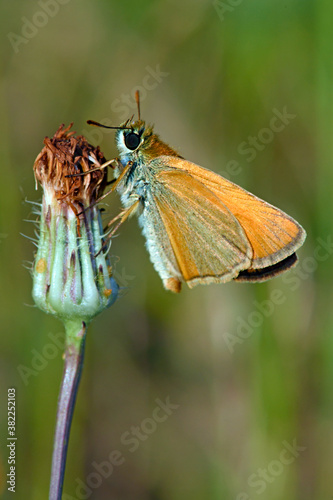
[249, 367]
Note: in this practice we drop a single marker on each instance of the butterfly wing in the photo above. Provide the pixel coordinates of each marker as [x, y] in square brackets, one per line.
[206, 240]
[273, 235]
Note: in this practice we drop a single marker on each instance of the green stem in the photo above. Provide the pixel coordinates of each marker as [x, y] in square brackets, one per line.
[74, 354]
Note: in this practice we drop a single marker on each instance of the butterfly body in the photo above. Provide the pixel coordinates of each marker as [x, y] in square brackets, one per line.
[199, 227]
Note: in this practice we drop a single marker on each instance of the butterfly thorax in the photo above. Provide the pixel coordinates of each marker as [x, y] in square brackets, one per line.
[149, 147]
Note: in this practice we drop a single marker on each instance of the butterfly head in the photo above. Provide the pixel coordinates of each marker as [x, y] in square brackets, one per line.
[137, 141]
[133, 138]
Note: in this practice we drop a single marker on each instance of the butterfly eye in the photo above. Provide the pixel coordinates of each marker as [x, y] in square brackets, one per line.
[132, 140]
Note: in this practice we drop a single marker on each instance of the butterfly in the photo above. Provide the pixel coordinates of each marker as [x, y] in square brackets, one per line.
[199, 227]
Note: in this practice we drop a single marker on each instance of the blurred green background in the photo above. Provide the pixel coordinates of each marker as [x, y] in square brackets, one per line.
[251, 375]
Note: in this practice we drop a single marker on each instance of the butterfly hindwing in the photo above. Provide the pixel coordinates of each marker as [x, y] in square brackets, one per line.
[207, 240]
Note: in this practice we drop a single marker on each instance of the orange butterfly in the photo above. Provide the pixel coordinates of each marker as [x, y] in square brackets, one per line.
[199, 227]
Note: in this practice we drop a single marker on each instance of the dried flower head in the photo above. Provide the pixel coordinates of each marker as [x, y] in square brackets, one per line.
[71, 273]
[66, 155]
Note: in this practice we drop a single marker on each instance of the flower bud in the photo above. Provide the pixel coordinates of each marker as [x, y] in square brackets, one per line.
[71, 274]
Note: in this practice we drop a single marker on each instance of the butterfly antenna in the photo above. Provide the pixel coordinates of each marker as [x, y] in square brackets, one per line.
[137, 99]
[97, 124]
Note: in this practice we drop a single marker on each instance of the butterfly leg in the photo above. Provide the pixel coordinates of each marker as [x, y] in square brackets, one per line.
[117, 181]
[121, 217]
[100, 167]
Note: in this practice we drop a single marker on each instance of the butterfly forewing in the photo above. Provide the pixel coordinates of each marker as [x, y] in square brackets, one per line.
[272, 234]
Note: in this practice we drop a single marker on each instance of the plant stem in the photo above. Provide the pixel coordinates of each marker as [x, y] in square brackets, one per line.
[74, 354]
